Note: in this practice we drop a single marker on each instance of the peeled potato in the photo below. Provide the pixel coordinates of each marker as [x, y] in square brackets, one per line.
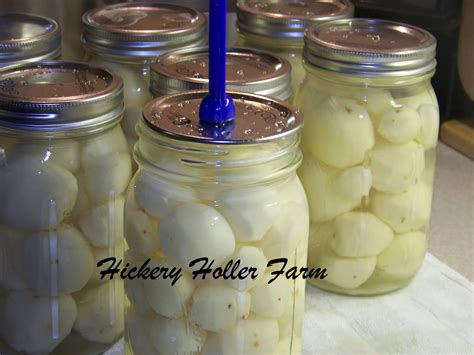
[131, 116]
[48, 260]
[250, 211]
[340, 134]
[290, 227]
[429, 115]
[176, 336]
[103, 225]
[137, 328]
[404, 256]
[10, 277]
[360, 234]
[157, 197]
[346, 273]
[293, 191]
[100, 316]
[320, 235]
[324, 202]
[251, 336]
[270, 300]
[216, 308]
[113, 141]
[249, 257]
[353, 183]
[107, 176]
[400, 125]
[141, 233]
[165, 299]
[135, 289]
[405, 212]
[63, 153]
[27, 325]
[397, 167]
[83, 202]
[36, 196]
[415, 101]
[376, 101]
[194, 231]
[101, 254]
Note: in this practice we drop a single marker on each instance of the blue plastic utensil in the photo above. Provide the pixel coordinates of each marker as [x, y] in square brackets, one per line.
[218, 108]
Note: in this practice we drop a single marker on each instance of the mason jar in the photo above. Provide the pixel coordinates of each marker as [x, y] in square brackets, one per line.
[369, 146]
[203, 200]
[124, 38]
[279, 26]
[27, 38]
[247, 70]
[64, 169]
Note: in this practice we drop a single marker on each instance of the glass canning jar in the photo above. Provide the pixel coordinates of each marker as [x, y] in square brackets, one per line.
[248, 70]
[27, 38]
[125, 38]
[224, 199]
[279, 26]
[369, 145]
[64, 168]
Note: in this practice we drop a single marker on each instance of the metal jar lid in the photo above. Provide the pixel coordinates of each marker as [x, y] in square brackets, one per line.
[258, 119]
[59, 96]
[142, 29]
[248, 70]
[288, 18]
[370, 47]
[27, 38]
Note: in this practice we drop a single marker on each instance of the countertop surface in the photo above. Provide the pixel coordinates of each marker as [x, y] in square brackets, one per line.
[452, 222]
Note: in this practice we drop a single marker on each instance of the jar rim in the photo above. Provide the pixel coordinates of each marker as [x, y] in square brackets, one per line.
[370, 47]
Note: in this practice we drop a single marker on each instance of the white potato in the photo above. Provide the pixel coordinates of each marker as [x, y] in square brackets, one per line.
[56, 262]
[112, 141]
[251, 336]
[165, 299]
[193, 231]
[216, 307]
[400, 125]
[28, 325]
[103, 225]
[176, 336]
[157, 197]
[270, 300]
[324, 202]
[376, 101]
[249, 257]
[395, 168]
[404, 256]
[107, 176]
[405, 212]
[100, 316]
[101, 254]
[353, 183]
[293, 191]
[135, 289]
[290, 227]
[137, 329]
[36, 196]
[429, 115]
[360, 234]
[131, 116]
[250, 211]
[141, 233]
[340, 134]
[415, 101]
[63, 153]
[83, 202]
[10, 277]
[320, 236]
[346, 273]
